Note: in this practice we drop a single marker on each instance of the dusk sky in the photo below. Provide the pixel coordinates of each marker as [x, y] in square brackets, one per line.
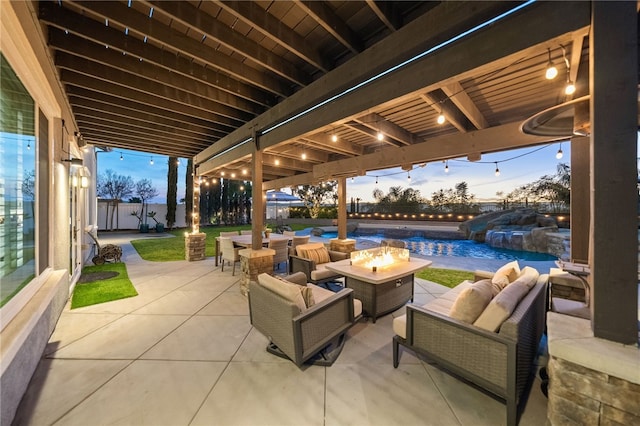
[517, 167]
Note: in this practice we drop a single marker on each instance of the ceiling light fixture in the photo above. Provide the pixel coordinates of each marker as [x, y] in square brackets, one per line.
[551, 71]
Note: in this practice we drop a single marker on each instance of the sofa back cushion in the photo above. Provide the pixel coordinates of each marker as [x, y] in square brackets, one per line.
[501, 307]
[290, 291]
[471, 302]
[314, 251]
[507, 274]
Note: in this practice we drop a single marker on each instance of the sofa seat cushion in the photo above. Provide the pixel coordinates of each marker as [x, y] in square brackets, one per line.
[472, 301]
[320, 294]
[287, 290]
[501, 307]
[322, 273]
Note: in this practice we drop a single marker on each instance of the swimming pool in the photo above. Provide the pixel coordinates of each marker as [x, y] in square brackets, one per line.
[453, 248]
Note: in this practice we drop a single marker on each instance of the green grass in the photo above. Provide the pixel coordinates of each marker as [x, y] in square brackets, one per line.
[102, 291]
[446, 277]
[168, 249]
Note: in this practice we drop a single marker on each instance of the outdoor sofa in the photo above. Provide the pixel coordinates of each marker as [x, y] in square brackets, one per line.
[500, 361]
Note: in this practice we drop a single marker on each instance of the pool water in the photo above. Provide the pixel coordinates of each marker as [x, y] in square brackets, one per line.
[454, 248]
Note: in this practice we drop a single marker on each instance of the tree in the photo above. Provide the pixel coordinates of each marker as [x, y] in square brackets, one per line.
[314, 196]
[172, 191]
[555, 190]
[398, 200]
[146, 191]
[114, 188]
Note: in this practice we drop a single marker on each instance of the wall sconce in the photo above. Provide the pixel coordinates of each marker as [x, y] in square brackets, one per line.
[74, 181]
[84, 182]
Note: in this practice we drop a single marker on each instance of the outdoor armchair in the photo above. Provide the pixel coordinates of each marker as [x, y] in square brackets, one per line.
[229, 253]
[312, 259]
[279, 311]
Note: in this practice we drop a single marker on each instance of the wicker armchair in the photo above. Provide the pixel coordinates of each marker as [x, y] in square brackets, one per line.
[297, 241]
[282, 252]
[315, 270]
[298, 334]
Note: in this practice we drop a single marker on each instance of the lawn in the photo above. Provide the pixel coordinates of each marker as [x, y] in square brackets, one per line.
[446, 277]
[167, 249]
[104, 289]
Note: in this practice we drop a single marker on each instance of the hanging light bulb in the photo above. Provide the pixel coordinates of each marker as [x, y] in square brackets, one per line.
[446, 166]
[570, 88]
[441, 118]
[497, 170]
[121, 157]
[277, 162]
[334, 138]
[551, 71]
[380, 136]
[559, 154]
[177, 162]
[29, 146]
[304, 155]
[151, 161]
[409, 177]
[376, 180]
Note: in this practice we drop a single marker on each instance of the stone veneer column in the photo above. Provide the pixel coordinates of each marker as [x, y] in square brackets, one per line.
[194, 246]
[346, 245]
[252, 264]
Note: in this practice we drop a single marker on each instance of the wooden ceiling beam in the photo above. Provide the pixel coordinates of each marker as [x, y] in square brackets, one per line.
[465, 104]
[272, 28]
[328, 20]
[114, 112]
[390, 129]
[323, 141]
[387, 13]
[193, 17]
[373, 133]
[142, 84]
[106, 87]
[65, 19]
[126, 105]
[277, 161]
[453, 115]
[153, 148]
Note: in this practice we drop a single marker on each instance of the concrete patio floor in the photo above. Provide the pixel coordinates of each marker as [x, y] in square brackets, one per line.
[183, 352]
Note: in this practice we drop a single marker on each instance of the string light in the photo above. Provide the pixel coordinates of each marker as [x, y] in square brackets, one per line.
[380, 136]
[304, 156]
[177, 161]
[551, 71]
[334, 138]
[497, 169]
[446, 166]
[29, 146]
[559, 154]
[277, 161]
[409, 176]
[570, 88]
[376, 180]
[121, 157]
[151, 161]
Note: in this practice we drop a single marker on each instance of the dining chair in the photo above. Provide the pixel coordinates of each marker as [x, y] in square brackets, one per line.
[302, 239]
[289, 233]
[226, 234]
[245, 232]
[282, 252]
[229, 253]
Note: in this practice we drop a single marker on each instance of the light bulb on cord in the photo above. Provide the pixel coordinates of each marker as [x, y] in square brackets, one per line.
[559, 154]
[441, 119]
[334, 138]
[497, 170]
[380, 136]
[376, 180]
[177, 162]
[29, 146]
[304, 156]
[446, 167]
[151, 161]
[570, 88]
[121, 157]
[551, 71]
[409, 177]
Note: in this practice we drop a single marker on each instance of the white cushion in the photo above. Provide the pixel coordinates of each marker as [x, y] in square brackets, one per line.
[289, 291]
[452, 294]
[529, 276]
[471, 302]
[506, 274]
[501, 307]
[400, 326]
[320, 294]
[322, 273]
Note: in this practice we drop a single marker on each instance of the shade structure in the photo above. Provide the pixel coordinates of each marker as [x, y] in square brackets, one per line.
[279, 196]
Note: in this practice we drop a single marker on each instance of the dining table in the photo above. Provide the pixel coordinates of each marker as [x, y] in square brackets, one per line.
[247, 240]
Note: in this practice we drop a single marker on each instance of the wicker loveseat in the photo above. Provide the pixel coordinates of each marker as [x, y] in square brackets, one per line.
[312, 259]
[500, 362]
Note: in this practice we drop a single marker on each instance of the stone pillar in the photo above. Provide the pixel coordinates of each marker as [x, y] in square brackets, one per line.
[252, 264]
[194, 246]
[346, 245]
[613, 244]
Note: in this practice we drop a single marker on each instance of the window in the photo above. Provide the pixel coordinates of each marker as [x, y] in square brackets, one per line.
[18, 150]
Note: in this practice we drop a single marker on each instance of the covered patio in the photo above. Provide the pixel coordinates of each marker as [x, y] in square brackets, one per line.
[183, 352]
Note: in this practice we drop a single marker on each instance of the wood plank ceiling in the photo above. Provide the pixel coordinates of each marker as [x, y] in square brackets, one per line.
[177, 77]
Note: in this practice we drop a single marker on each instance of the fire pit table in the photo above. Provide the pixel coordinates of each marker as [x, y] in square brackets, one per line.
[382, 278]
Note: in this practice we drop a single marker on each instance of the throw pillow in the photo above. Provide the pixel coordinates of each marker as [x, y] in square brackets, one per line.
[529, 276]
[318, 255]
[289, 291]
[506, 274]
[307, 293]
[502, 306]
[471, 302]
